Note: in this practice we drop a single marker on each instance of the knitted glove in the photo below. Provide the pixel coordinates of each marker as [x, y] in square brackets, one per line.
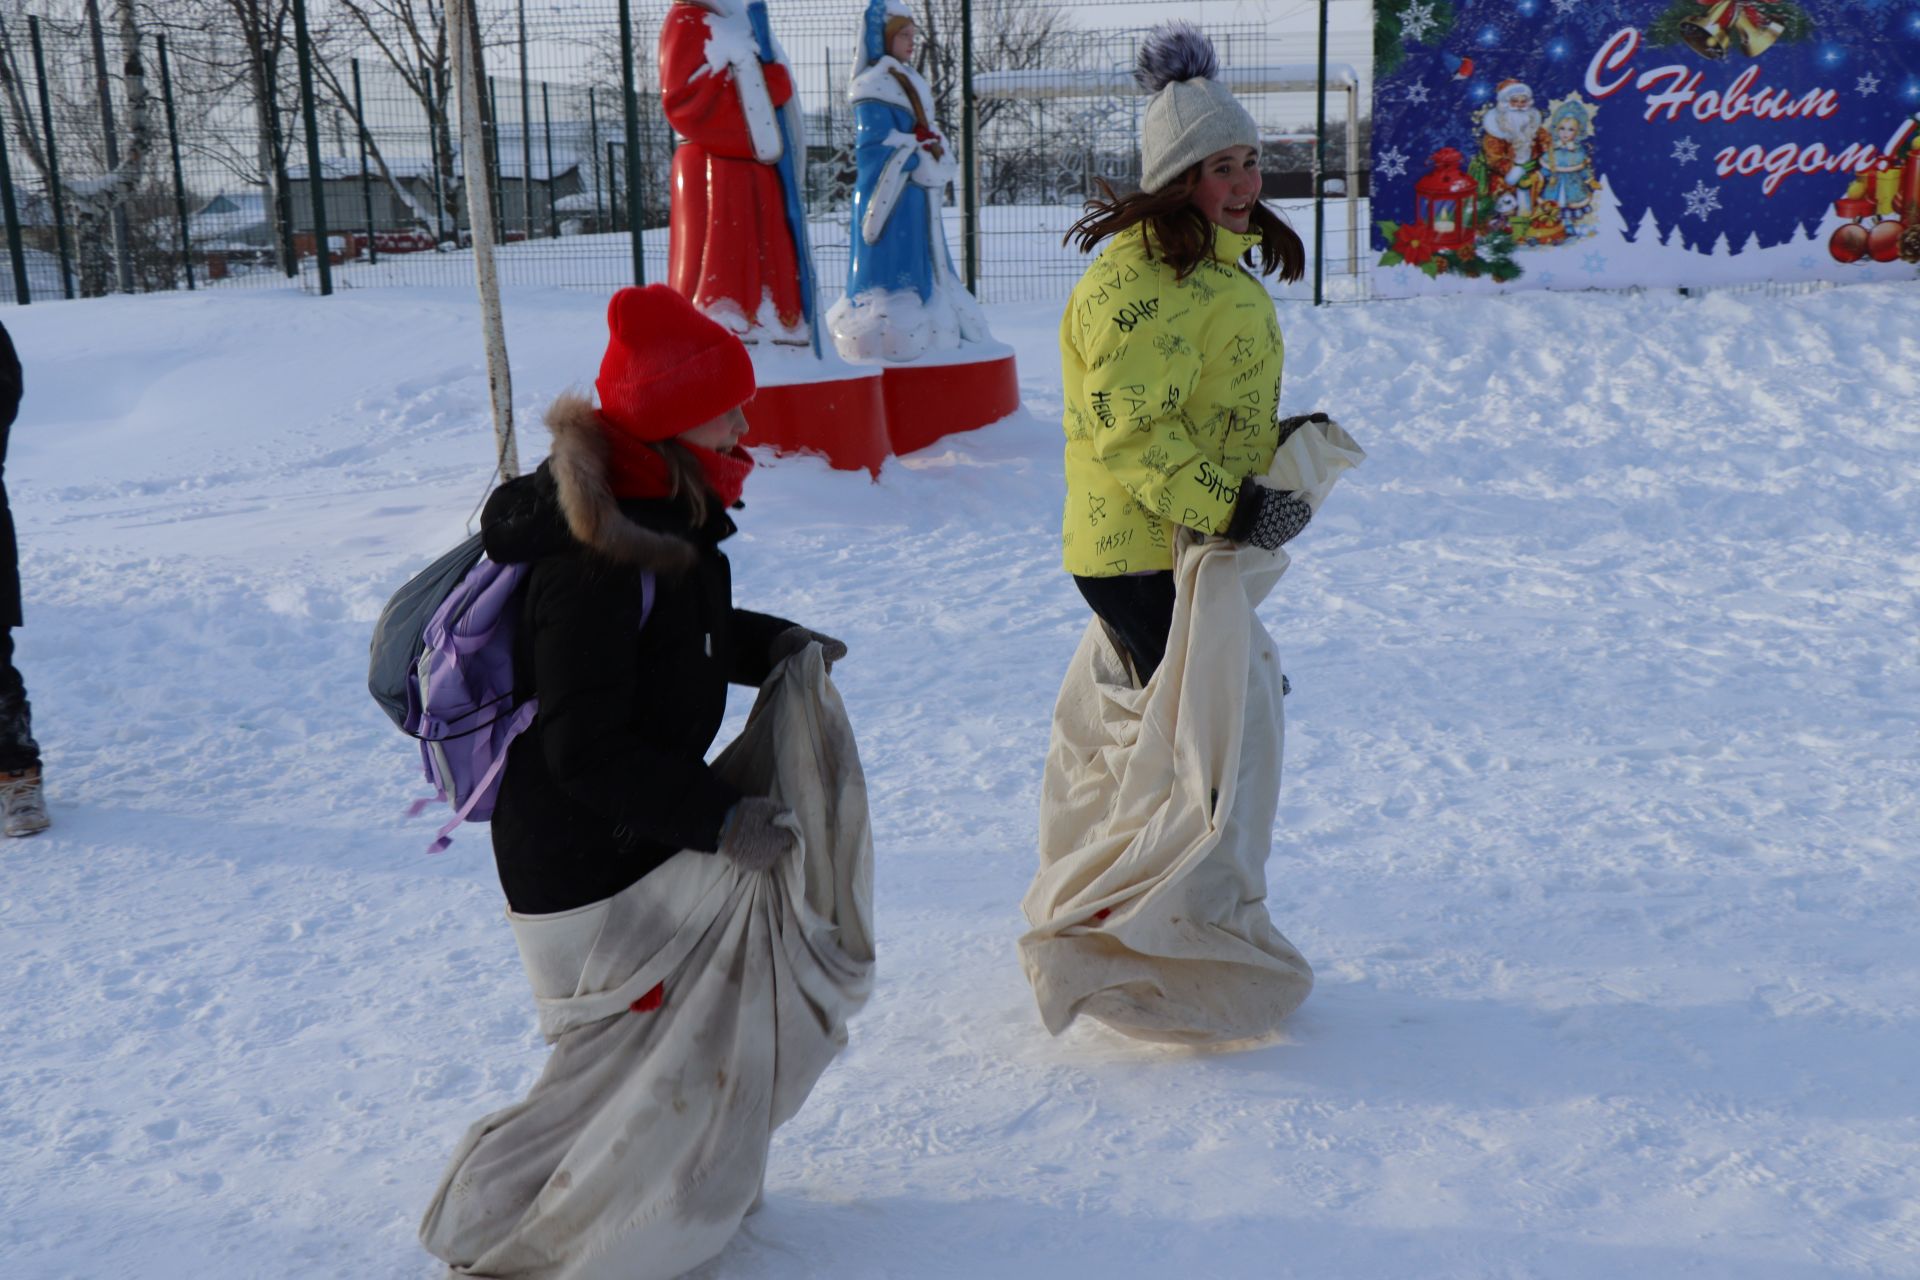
[751, 838]
[1267, 517]
[794, 639]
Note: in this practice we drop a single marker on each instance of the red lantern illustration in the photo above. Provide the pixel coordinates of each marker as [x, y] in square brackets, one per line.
[1447, 203]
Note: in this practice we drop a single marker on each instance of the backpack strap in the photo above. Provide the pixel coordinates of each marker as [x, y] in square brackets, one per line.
[521, 718]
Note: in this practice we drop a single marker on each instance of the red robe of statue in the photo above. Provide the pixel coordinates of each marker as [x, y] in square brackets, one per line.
[730, 249]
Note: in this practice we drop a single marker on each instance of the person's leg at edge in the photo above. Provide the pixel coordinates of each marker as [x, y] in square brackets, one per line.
[23, 808]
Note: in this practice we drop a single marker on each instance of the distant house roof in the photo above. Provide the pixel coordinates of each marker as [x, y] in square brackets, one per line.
[345, 168]
[229, 215]
[342, 168]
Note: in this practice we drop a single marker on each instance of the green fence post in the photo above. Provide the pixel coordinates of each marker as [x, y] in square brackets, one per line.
[316, 180]
[492, 159]
[1320, 167]
[632, 101]
[593, 149]
[546, 116]
[613, 192]
[526, 132]
[53, 160]
[366, 182]
[439, 192]
[179, 178]
[21, 293]
[969, 184]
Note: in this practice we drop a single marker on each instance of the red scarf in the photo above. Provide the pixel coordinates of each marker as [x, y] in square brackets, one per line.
[637, 471]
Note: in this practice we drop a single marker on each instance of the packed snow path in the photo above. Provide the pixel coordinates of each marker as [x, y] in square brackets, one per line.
[1598, 821]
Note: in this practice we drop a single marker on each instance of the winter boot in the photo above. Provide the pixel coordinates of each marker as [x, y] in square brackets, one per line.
[21, 803]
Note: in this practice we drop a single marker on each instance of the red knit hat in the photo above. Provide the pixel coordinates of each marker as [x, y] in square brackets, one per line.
[667, 368]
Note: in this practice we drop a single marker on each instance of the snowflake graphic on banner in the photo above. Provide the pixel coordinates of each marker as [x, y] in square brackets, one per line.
[1596, 18]
[1702, 200]
[1867, 85]
[1418, 21]
[1391, 163]
[1686, 151]
[1594, 264]
[1417, 93]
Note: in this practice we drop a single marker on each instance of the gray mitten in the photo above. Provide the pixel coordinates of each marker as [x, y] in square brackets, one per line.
[1266, 517]
[751, 838]
[794, 639]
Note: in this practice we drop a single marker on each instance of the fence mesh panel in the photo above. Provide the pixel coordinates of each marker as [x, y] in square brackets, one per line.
[391, 174]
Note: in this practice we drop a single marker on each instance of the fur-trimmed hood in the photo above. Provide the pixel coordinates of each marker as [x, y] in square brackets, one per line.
[569, 502]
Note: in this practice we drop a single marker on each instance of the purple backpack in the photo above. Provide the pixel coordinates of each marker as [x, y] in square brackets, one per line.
[448, 681]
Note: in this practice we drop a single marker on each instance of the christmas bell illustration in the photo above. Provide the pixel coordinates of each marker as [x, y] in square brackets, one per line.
[1707, 33]
[1755, 34]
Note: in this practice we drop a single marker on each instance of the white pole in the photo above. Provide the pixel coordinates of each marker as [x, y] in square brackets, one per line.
[468, 69]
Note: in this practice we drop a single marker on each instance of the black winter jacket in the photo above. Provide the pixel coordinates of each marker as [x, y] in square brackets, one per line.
[10, 385]
[611, 779]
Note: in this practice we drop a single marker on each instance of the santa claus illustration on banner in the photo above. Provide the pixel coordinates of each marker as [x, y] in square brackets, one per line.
[1513, 141]
[732, 247]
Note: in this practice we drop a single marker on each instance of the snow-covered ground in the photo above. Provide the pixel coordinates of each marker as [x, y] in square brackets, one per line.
[1598, 822]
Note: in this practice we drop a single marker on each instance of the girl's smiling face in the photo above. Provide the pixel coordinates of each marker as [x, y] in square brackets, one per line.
[1229, 187]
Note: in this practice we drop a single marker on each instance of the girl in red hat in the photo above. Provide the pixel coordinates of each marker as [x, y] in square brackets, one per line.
[611, 778]
[652, 901]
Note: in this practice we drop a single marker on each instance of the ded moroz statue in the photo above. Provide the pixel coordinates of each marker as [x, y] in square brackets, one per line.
[731, 249]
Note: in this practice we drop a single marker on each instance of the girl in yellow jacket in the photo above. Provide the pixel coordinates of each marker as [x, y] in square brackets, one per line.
[1171, 355]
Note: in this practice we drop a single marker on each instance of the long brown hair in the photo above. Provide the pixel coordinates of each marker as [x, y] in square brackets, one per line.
[685, 480]
[1181, 233]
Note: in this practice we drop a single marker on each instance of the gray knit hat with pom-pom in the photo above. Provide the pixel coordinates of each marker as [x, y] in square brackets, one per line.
[1191, 115]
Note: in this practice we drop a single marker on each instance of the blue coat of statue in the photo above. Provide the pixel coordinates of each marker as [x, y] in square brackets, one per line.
[903, 298]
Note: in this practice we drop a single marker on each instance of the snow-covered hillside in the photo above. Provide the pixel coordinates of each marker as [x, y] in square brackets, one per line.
[1599, 819]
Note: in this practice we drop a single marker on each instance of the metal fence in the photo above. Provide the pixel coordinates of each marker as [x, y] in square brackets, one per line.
[244, 119]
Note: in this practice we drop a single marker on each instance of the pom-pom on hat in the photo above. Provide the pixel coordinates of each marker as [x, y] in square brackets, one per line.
[1192, 115]
[667, 368]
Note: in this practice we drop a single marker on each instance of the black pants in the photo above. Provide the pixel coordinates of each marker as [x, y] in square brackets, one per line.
[1138, 611]
[18, 750]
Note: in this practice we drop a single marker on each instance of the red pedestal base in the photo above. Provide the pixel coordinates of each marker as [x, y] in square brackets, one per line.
[843, 420]
[856, 422]
[927, 401]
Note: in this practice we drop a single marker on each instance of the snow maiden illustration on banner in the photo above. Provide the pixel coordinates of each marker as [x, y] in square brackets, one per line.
[1572, 144]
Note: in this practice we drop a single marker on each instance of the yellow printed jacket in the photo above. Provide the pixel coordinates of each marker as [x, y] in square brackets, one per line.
[1171, 387]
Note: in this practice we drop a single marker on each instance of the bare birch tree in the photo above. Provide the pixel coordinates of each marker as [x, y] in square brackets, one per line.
[94, 198]
[1008, 35]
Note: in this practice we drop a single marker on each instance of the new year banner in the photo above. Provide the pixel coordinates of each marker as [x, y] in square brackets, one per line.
[1572, 144]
